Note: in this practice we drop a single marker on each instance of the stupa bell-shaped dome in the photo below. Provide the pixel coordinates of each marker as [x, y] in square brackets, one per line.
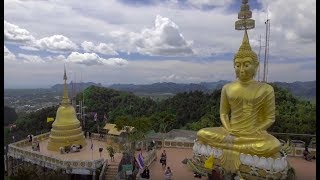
[66, 129]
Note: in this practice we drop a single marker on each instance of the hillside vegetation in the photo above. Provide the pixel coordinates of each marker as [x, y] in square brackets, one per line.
[189, 110]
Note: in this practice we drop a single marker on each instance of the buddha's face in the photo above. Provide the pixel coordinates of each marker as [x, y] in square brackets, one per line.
[245, 68]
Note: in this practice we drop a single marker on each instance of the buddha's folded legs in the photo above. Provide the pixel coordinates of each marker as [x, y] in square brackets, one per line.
[262, 145]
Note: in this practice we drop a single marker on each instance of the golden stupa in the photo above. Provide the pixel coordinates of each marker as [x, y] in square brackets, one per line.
[66, 129]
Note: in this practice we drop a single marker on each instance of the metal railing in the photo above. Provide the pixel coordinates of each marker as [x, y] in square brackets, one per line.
[103, 170]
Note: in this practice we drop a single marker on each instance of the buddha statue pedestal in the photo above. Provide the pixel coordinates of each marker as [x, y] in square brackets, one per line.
[250, 166]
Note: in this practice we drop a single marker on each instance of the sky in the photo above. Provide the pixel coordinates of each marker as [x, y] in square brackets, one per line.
[150, 41]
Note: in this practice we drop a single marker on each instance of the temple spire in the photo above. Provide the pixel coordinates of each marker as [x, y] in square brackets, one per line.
[245, 45]
[245, 22]
[65, 98]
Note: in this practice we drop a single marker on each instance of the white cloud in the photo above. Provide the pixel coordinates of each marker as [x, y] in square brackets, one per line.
[293, 29]
[59, 58]
[56, 43]
[102, 48]
[162, 39]
[14, 33]
[115, 61]
[88, 59]
[293, 35]
[91, 59]
[29, 48]
[203, 3]
[8, 56]
[30, 58]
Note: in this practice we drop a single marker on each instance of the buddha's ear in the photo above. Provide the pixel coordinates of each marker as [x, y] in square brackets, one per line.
[257, 64]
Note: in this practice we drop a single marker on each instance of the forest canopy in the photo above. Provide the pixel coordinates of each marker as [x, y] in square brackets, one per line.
[189, 110]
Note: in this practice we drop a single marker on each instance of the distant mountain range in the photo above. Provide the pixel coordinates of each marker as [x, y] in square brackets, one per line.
[306, 90]
[165, 87]
[76, 87]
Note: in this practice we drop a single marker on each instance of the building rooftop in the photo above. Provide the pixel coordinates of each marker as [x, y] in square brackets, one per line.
[112, 130]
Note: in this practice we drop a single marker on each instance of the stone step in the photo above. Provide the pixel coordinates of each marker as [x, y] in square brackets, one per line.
[111, 172]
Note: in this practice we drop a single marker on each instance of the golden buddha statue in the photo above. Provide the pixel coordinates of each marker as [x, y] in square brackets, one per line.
[66, 129]
[247, 110]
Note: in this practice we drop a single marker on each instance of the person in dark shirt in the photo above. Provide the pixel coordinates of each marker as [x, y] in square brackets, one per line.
[307, 155]
[163, 159]
[146, 173]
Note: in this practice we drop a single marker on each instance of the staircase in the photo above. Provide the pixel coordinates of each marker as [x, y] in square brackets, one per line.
[111, 172]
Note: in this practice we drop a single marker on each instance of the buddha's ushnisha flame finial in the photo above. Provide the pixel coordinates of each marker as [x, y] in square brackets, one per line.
[245, 46]
[245, 49]
[65, 98]
[245, 23]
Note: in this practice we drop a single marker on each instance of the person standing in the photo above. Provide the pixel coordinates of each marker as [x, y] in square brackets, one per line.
[146, 173]
[307, 155]
[163, 159]
[168, 174]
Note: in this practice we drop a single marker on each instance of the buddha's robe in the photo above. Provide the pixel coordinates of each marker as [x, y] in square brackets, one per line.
[252, 107]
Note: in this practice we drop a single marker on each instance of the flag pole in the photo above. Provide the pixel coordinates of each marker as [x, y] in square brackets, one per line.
[91, 150]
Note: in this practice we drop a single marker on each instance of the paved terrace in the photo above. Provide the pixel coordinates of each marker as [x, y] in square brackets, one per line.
[83, 162]
[304, 169]
[86, 152]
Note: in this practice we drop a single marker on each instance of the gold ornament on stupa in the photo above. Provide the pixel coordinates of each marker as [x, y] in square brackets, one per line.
[66, 129]
[245, 22]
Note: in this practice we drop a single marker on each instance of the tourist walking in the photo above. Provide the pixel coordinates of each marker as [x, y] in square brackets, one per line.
[163, 159]
[168, 174]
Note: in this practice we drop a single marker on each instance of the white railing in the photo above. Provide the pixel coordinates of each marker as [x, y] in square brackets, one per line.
[177, 144]
[151, 156]
[17, 150]
[103, 170]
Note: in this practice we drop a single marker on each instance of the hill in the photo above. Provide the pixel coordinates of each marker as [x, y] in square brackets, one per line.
[75, 86]
[9, 115]
[165, 87]
[188, 110]
[305, 90]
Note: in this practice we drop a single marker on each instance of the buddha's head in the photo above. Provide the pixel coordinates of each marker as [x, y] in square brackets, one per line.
[245, 61]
